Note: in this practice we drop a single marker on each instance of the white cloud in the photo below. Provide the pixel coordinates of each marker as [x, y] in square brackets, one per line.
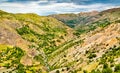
[51, 8]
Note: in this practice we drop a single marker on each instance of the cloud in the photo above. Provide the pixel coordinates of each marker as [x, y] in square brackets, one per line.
[51, 7]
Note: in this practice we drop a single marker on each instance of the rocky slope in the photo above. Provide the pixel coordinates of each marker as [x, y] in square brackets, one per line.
[35, 44]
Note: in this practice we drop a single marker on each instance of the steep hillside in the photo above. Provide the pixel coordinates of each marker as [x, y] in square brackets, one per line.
[36, 44]
[35, 36]
[98, 48]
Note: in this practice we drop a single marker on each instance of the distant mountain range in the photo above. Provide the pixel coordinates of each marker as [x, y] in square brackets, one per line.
[82, 18]
[64, 43]
[73, 20]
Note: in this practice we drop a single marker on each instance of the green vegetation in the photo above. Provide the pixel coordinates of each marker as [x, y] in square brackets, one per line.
[107, 60]
[39, 58]
[57, 71]
[117, 68]
[117, 21]
[103, 23]
[91, 55]
[10, 58]
[45, 41]
[50, 45]
[87, 28]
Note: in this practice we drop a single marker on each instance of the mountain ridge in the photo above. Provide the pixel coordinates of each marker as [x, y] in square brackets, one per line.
[82, 18]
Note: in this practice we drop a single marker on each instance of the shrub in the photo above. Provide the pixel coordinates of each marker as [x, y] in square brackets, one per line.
[117, 68]
[105, 65]
[57, 71]
[107, 70]
[91, 55]
[85, 71]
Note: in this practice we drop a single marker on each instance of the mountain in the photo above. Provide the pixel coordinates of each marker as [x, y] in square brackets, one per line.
[85, 18]
[30, 43]
[73, 20]
[86, 21]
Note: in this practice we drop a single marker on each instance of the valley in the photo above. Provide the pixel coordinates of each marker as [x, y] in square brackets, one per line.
[63, 43]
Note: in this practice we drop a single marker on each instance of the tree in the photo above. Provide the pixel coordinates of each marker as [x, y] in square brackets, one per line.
[117, 68]
[107, 70]
[57, 71]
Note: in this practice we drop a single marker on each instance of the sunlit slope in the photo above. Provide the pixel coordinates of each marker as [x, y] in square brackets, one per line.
[36, 44]
[37, 37]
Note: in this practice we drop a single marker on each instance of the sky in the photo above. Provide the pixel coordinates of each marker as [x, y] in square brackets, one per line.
[48, 7]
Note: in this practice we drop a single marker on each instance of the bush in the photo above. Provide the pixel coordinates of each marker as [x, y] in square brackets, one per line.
[85, 71]
[57, 71]
[105, 65]
[117, 68]
[91, 55]
[107, 70]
